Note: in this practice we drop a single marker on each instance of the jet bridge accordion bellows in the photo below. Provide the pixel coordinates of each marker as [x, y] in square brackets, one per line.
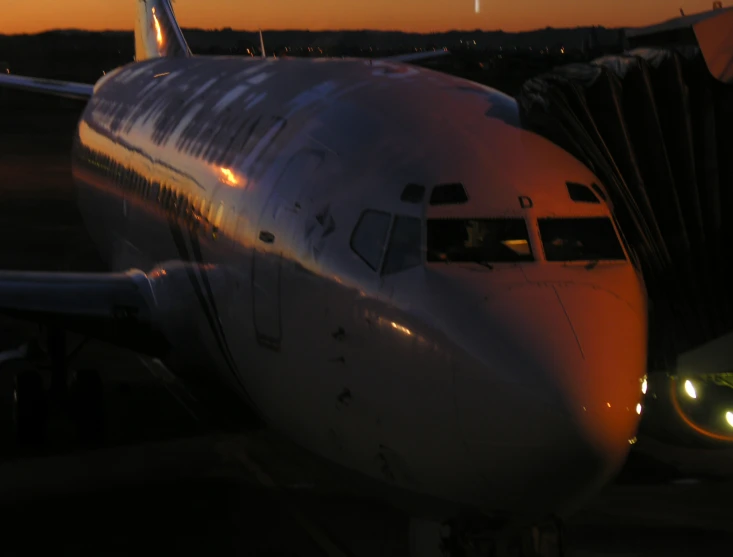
[657, 129]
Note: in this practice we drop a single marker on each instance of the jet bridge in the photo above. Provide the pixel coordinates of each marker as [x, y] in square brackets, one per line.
[656, 125]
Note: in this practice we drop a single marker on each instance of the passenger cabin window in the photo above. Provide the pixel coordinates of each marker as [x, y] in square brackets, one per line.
[369, 237]
[581, 193]
[478, 240]
[580, 239]
[199, 213]
[403, 251]
[217, 219]
[448, 194]
[211, 216]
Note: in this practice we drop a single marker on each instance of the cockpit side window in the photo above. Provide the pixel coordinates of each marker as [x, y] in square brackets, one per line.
[369, 237]
[599, 191]
[580, 239]
[404, 245]
[581, 194]
[478, 240]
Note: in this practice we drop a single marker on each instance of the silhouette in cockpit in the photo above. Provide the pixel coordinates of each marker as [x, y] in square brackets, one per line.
[447, 239]
[561, 248]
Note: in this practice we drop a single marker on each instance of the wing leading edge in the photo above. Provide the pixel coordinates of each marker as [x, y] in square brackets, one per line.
[84, 91]
[114, 307]
[68, 89]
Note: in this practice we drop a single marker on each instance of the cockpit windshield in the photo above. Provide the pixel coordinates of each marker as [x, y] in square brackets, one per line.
[580, 239]
[478, 240]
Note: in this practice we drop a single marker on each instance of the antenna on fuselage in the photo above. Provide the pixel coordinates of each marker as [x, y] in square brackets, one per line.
[262, 45]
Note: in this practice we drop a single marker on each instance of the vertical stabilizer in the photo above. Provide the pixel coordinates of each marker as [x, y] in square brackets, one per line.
[715, 37]
[262, 45]
[157, 33]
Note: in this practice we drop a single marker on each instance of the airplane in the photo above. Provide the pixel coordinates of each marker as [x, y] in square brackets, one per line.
[371, 258]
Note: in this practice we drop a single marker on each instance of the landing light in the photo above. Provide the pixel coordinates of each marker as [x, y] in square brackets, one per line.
[638, 408]
[644, 386]
[690, 389]
[729, 418]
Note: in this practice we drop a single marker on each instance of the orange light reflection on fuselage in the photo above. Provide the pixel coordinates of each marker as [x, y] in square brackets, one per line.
[401, 329]
[229, 178]
[158, 32]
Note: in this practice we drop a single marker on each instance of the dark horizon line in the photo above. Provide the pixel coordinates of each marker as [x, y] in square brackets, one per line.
[231, 30]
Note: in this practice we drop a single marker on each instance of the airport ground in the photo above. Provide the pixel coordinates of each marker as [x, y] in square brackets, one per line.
[164, 483]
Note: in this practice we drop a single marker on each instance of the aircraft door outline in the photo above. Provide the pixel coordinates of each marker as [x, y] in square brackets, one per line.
[272, 235]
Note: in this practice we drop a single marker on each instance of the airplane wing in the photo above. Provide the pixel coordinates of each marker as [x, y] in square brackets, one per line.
[416, 56]
[84, 91]
[114, 307]
[80, 91]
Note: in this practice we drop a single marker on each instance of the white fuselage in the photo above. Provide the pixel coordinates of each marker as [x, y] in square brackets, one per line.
[238, 185]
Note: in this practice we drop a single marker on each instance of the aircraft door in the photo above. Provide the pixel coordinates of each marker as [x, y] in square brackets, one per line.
[266, 279]
[273, 236]
[127, 176]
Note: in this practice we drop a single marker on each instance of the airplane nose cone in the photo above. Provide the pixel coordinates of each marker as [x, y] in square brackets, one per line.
[603, 390]
[555, 392]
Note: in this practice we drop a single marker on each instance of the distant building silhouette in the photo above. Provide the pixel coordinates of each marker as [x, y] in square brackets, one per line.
[4, 68]
[593, 46]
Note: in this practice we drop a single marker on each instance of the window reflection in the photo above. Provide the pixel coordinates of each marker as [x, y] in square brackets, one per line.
[173, 200]
[404, 245]
[580, 239]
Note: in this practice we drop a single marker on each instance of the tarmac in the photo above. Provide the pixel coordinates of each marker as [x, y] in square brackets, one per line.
[163, 484]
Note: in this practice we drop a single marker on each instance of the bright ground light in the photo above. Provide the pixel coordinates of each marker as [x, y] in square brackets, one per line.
[690, 389]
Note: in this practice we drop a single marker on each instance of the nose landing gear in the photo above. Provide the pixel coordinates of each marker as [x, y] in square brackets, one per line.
[86, 405]
[81, 398]
[543, 540]
[29, 407]
[432, 539]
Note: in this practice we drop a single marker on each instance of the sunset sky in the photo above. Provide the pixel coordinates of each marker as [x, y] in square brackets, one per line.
[31, 16]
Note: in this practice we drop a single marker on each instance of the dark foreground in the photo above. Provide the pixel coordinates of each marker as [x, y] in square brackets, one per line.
[163, 485]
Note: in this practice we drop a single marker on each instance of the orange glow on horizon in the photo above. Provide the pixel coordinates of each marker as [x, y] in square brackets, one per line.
[405, 15]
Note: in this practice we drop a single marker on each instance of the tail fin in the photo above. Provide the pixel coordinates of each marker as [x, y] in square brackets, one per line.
[262, 45]
[157, 33]
[715, 37]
